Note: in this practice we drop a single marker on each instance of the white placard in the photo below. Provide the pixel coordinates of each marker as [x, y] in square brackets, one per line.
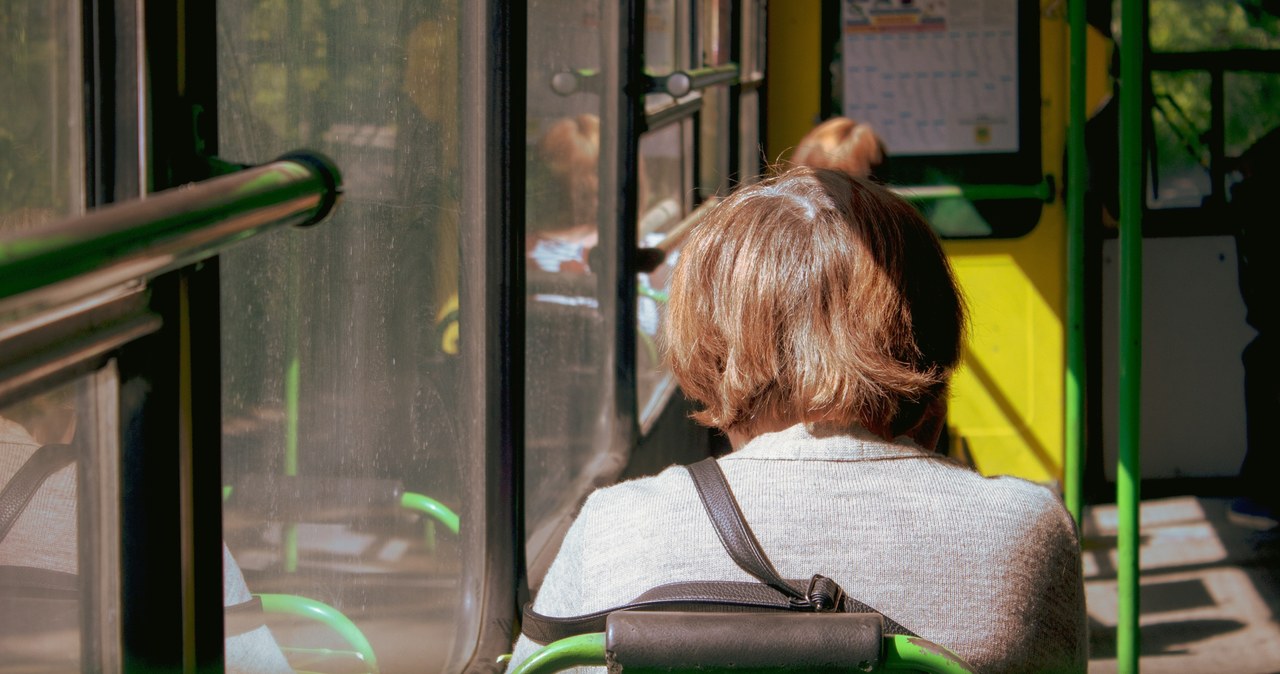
[933, 76]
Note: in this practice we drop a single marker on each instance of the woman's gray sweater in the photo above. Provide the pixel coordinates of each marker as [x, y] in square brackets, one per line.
[988, 567]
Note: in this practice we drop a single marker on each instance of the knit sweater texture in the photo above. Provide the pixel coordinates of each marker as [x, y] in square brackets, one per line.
[988, 567]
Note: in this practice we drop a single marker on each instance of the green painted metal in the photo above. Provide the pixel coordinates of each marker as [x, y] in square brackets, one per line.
[659, 296]
[326, 615]
[280, 193]
[436, 510]
[292, 398]
[913, 654]
[583, 650]
[1073, 460]
[1133, 36]
[898, 654]
[326, 657]
[1041, 191]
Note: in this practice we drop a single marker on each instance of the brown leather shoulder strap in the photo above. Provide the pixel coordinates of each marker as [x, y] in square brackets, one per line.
[736, 537]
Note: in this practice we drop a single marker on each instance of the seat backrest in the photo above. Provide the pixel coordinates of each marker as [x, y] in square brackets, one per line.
[641, 642]
[714, 642]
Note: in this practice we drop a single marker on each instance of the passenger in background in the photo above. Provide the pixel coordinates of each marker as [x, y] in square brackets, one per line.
[841, 144]
[1258, 253]
[563, 215]
[816, 321]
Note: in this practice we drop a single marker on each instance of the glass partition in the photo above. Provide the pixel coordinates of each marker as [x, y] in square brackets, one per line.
[666, 164]
[350, 473]
[41, 117]
[569, 344]
[59, 562]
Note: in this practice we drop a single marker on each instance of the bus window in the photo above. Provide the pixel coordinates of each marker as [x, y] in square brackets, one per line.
[752, 57]
[716, 34]
[342, 347]
[60, 550]
[41, 118]
[666, 157]
[1210, 72]
[665, 43]
[569, 344]
[1180, 116]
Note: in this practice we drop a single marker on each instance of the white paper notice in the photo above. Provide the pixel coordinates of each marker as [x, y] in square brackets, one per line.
[933, 76]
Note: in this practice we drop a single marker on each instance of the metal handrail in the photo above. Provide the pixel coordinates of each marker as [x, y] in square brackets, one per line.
[1041, 191]
[684, 82]
[898, 653]
[142, 238]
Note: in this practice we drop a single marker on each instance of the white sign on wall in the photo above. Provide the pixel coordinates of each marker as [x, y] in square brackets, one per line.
[933, 76]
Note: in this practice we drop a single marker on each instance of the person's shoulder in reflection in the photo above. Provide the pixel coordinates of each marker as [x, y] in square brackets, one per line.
[44, 535]
[841, 144]
[564, 208]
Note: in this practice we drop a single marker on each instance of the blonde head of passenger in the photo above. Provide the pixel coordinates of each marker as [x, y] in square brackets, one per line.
[841, 144]
[818, 297]
[570, 151]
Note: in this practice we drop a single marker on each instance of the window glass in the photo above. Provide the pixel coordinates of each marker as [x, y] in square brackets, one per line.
[1181, 125]
[665, 45]
[569, 378]
[713, 146]
[661, 37]
[752, 34]
[1250, 110]
[41, 129]
[347, 460]
[717, 32]
[1195, 25]
[666, 157]
[749, 149]
[56, 554]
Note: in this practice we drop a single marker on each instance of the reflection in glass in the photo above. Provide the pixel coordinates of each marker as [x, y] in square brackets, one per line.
[713, 146]
[569, 342]
[45, 440]
[717, 32]
[665, 155]
[41, 146]
[344, 447]
[750, 151]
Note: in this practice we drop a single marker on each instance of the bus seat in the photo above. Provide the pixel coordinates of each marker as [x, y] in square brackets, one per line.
[667, 641]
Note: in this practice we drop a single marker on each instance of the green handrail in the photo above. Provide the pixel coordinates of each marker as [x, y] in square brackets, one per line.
[1041, 191]
[898, 654]
[435, 509]
[1133, 35]
[114, 244]
[1073, 459]
[583, 650]
[326, 615]
[913, 654]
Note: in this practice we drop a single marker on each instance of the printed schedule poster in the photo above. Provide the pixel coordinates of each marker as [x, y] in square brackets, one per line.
[933, 76]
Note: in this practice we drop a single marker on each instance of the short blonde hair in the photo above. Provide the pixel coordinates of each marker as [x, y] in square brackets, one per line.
[814, 296]
[841, 144]
[570, 151]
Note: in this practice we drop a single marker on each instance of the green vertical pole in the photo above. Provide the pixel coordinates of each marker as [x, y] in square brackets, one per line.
[1133, 36]
[293, 373]
[1073, 460]
[292, 384]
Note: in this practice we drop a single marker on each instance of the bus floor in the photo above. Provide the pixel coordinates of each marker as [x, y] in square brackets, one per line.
[1209, 589]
